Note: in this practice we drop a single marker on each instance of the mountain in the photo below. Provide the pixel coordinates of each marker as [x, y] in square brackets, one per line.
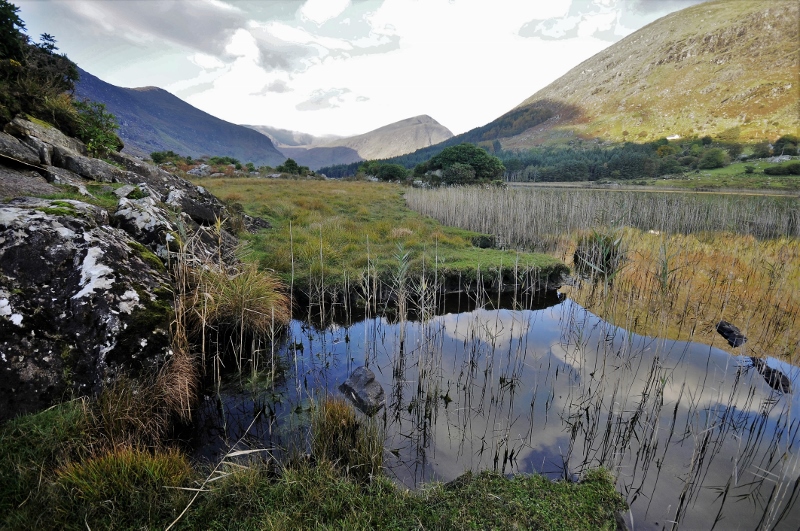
[388, 141]
[152, 119]
[286, 138]
[722, 68]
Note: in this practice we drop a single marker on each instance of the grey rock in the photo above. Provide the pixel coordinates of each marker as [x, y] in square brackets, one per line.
[775, 378]
[204, 170]
[14, 149]
[94, 169]
[124, 191]
[731, 333]
[79, 304]
[44, 150]
[15, 182]
[364, 391]
[22, 128]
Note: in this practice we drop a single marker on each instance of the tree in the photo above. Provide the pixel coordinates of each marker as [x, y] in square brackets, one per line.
[486, 166]
[459, 174]
[97, 128]
[391, 172]
[761, 151]
[786, 145]
[713, 158]
[291, 167]
[12, 40]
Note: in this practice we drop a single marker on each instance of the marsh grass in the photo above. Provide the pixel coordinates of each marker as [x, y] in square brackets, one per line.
[326, 234]
[681, 286]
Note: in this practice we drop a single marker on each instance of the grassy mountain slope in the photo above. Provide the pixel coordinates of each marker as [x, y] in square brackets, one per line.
[152, 119]
[390, 140]
[725, 67]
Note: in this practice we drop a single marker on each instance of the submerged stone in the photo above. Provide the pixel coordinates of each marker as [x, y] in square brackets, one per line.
[364, 391]
[732, 334]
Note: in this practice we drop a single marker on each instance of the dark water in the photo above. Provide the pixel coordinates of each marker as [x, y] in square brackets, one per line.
[696, 437]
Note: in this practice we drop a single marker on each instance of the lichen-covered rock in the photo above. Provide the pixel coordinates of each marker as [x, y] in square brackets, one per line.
[146, 222]
[80, 302]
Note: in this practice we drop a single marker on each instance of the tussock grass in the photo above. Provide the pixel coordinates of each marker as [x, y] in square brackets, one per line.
[122, 489]
[350, 441]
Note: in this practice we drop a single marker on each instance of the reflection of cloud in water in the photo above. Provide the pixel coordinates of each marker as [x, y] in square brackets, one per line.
[530, 381]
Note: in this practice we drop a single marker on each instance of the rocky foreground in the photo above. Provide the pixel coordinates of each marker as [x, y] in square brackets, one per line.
[85, 291]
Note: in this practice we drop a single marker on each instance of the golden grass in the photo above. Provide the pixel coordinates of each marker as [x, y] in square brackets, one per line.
[681, 286]
[350, 441]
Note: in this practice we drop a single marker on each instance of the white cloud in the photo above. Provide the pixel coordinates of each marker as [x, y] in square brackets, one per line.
[334, 66]
[206, 62]
[321, 11]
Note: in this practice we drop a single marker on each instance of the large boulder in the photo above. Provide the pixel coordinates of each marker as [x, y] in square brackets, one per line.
[80, 303]
[44, 133]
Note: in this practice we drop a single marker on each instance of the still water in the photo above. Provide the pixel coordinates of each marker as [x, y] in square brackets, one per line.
[697, 438]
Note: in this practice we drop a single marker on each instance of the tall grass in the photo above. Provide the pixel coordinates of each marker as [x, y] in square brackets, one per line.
[535, 219]
[689, 261]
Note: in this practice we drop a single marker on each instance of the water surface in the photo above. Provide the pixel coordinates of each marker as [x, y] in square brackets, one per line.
[696, 437]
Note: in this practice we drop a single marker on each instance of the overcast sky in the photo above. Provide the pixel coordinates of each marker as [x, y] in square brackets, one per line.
[340, 66]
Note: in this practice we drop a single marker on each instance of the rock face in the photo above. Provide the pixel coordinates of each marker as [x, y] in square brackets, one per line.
[80, 301]
[365, 392]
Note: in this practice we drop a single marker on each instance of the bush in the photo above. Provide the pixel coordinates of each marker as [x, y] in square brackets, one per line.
[713, 158]
[97, 128]
[792, 168]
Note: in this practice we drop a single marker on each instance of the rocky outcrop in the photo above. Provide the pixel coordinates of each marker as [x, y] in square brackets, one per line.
[85, 294]
[80, 302]
[364, 391]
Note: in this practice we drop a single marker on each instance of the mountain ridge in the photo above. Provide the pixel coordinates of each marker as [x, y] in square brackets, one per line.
[391, 140]
[152, 119]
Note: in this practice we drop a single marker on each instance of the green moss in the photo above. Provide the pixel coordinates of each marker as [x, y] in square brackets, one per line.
[147, 255]
[37, 121]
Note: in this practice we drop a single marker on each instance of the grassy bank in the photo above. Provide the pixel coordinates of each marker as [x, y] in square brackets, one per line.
[338, 233]
[58, 472]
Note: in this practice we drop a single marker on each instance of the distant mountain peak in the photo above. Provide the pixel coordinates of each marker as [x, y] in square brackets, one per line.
[398, 138]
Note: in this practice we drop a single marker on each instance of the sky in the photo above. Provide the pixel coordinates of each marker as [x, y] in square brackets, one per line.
[340, 67]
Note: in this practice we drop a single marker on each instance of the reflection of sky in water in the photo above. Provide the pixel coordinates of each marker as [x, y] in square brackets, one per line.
[683, 425]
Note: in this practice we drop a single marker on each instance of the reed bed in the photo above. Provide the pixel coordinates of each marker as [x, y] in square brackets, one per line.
[689, 261]
[534, 219]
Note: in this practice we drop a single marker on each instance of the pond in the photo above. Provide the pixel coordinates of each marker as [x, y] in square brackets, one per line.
[697, 438]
